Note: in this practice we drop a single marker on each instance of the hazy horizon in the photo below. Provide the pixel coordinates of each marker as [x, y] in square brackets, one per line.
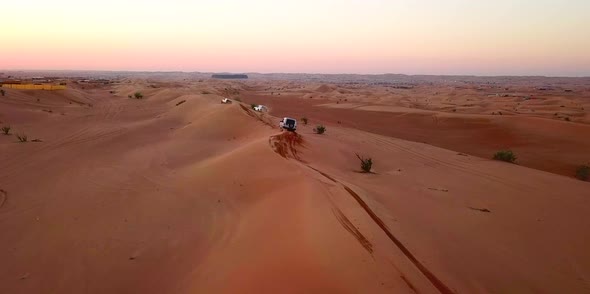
[426, 37]
[4, 70]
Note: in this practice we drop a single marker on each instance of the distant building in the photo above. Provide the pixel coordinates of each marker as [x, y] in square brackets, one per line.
[229, 76]
[36, 80]
[11, 82]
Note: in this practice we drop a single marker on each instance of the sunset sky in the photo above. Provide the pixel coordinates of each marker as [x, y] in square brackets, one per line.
[503, 37]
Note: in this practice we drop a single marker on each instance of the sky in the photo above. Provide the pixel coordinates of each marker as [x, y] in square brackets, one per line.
[470, 37]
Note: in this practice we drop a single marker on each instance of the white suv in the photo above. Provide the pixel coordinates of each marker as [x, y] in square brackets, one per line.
[289, 124]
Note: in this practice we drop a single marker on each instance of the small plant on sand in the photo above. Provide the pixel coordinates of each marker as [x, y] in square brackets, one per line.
[583, 173]
[22, 138]
[138, 95]
[505, 155]
[366, 163]
[304, 120]
[6, 130]
[320, 129]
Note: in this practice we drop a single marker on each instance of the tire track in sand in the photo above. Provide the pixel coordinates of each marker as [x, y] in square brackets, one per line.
[3, 197]
[286, 145]
[436, 282]
[349, 226]
[423, 269]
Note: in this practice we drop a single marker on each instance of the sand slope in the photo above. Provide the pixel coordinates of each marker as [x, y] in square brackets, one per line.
[147, 196]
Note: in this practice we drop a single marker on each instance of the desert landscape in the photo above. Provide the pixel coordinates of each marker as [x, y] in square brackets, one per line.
[146, 183]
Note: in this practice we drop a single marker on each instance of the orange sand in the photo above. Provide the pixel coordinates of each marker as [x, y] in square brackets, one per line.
[144, 196]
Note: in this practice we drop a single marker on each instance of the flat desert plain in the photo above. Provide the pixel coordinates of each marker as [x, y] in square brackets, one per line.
[178, 193]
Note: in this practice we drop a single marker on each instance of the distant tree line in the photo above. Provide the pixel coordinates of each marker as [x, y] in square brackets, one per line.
[229, 76]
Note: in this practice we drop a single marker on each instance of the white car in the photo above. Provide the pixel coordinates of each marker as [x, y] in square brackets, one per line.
[289, 124]
[226, 101]
[260, 108]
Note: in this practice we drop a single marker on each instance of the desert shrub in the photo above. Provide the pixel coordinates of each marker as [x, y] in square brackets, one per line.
[205, 92]
[304, 120]
[583, 172]
[2, 92]
[138, 95]
[129, 96]
[22, 138]
[366, 163]
[253, 105]
[6, 130]
[567, 119]
[320, 129]
[505, 155]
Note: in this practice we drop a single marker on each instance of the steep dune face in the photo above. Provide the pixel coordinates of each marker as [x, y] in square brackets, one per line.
[153, 196]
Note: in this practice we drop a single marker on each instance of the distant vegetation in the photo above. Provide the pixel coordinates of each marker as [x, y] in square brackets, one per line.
[505, 155]
[304, 120]
[6, 130]
[138, 95]
[366, 163]
[229, 76]
[320, 129]
[22, 138]
[583, 173]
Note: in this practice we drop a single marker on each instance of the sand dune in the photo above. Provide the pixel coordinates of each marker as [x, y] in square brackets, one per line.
[152, 196]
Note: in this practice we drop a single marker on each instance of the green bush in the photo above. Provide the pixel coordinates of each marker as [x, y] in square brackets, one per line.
[304, 120]
[138, 95]
[320, 129]
[22, 138]
[6, 130]
[366, 163]
[583, 172]
[505, 155]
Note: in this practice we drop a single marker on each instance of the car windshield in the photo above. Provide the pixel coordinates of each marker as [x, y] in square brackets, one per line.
[290, 121]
